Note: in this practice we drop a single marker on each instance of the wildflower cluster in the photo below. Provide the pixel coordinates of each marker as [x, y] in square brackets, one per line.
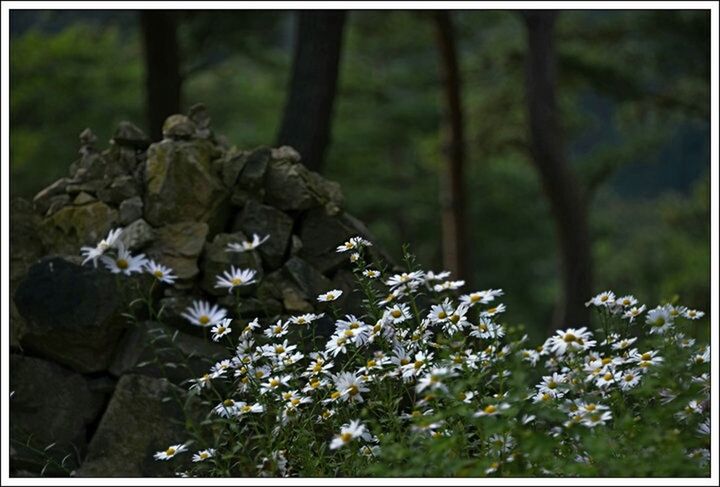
[423, 367]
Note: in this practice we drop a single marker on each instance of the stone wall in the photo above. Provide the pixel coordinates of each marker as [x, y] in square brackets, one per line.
[82, 376]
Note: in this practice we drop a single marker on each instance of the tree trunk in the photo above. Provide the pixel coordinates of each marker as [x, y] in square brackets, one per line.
[452, 193]
[308, 110]
[568, 201]
[162, 67]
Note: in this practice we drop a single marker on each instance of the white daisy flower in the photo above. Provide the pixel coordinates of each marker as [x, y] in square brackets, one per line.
[124, 262]
[599, 418]
[245, 408]
[227, 408]
[348, 432]
[693, 314]
[277, 330]
[305, 319]
[221, 329]
[623, 343]
[434, 380]
[203, 455]
[235, 277]
[170, 452]
[492, 410]
[397, 313]
[659, 319]
[350, 386]
[353, 244]
[604, 299]
[629, 379]
[571, 340]
[247, 245]
[274, 383]
[409, 279]
[633, 313]
[201, 313]
[448, 286]
[370, 273]
[329, 296]
[93, 253]
[160, 272]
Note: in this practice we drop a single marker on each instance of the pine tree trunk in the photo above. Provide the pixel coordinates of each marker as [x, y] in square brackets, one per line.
[162, 67]
[568, 201]
[308, 110]
[452, 193]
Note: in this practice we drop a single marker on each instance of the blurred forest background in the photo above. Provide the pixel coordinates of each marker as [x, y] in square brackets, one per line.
[547, 155]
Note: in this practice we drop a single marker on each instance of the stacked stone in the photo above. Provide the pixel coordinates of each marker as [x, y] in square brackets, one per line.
[181, 201]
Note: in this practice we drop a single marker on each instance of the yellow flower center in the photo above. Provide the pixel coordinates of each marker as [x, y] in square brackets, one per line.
[228, 403]
[396, 313]
[354, 325]
[552, 384]
[608, 376]
[204, 319]
[604, 298]
[371, 363]
[474, 298]
[335, 394]
[315, 384]
[274, 382]
[349, 333]
[591, 407]
[455, 318]
[353, 390]
[122, 264]
[158, 273]
[279, 349]
[404, 361]
[418, 364]
[246, 409]
[346, 437]
[606, 360]
[442, 315]
[629, 378]
[170, 451]
[204, 455]
[646, 356]
[569, 337]
[221, 330]
[491, 311]
[490, 409]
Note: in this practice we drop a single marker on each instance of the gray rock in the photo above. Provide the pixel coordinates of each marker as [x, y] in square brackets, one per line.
[122, 188]
[130, 210]
[72, 314]
[251, 181]
[291, 186]
[216, 260]
[296, 245]
[148, 345]
[321, 233]
[43, 200]
[141, 419]
[120, 161]
[178, 127]
[87, 137]
[285, 152]
[231, 166]
[266, 220]
[128, 134]
[179, 245]
[179, 183]
[59, 202]
[49, 404]
[74, 226]
[200, 116]
[83, 199]
[137, 235]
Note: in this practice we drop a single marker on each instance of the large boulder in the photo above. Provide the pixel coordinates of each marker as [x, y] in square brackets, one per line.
[72, 313]
[74, 226]
[145, 415]
[49, 405]
[292, 186]
[179, 183]
[179, 245]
